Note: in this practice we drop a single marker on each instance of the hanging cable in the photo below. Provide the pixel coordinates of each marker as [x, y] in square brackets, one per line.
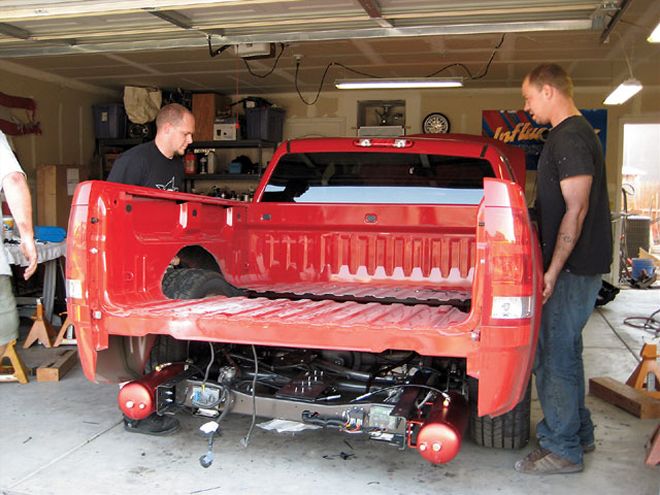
[246, 439]
[325, 73]
[490, 61]
[625, 55]
[457, 64]
[403, 385]
[263, 76]
[318, 93]
[208, 367]
[217, 51]
[465, 68]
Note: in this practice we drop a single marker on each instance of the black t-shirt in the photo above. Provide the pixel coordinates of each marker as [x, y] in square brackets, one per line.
[571, 149]
[145, 165]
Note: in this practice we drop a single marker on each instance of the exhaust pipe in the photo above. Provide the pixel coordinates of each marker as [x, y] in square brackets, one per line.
[439, 435]
[137, 399]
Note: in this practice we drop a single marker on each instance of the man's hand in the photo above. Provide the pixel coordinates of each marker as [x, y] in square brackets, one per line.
[29, 250]
[549, 281]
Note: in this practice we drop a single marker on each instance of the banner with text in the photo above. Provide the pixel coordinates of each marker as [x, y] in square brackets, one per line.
[517, 127]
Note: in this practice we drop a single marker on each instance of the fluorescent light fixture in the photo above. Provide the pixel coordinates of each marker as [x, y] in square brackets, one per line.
[400, 83]
[626, 90]
[654, 37]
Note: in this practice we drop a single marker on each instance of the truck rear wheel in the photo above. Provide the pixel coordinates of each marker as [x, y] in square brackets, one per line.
[508, 431]
[195, 283]
[186, 283]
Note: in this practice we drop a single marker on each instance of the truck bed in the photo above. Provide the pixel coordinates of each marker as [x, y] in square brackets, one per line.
[328, 324]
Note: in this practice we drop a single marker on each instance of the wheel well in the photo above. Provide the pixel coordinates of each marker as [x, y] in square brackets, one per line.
[197, 257]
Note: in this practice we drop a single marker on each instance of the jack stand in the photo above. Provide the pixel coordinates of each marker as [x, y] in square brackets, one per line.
[41, 330]
[646, 376]
[19, 372]
[640, 394]
[653, 451]
[66, 334]
[209, 430]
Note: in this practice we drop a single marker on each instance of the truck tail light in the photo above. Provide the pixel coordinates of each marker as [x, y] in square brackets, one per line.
[509, 260]
[76, 248]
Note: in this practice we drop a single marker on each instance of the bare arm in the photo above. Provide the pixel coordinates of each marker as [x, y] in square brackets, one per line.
[17, 194]
[575, 191]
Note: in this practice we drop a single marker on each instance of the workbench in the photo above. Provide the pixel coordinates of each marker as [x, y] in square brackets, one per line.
[48, 254]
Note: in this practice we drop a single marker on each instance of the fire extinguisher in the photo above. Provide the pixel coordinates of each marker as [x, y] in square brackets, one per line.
[189, 163]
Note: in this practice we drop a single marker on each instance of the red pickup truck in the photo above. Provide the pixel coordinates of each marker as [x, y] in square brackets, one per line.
[383, 286]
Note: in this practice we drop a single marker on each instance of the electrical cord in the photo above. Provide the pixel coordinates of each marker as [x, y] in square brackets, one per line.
[649, 324]
[325, 73]
[465, 67]
[263, 76]
[245, 441]
[318, 93]
[208, 367]
[403, 385]
[637, 358]
[373, 76]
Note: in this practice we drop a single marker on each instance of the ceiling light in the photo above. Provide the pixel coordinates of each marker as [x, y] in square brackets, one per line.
[626, 90]
[654, 37]
[400, 83]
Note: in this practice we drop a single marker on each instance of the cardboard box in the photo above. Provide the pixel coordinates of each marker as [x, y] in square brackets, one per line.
[55, 187]
[205, 107]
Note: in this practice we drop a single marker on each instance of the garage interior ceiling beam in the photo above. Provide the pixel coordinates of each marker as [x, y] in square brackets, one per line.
[124, 26]
[164, 43]
[14, 31]
[174, 18]
[22, 10]
[374, 12]
[604, 38]
[303, 36]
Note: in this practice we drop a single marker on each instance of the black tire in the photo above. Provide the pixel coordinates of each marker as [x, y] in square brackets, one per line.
[186, 283]
[195, 283]
[508, 431]
[166, 349]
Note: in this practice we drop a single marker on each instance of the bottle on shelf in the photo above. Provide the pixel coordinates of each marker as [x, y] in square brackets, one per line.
[189, 163]
[211, 162]
[203, 163]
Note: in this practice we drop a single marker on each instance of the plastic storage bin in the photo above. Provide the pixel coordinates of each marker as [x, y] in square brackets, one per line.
[109, 121]
[49, 233]
[265, 123]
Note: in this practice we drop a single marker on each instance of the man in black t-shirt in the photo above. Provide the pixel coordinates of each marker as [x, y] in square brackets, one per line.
[158, 163]
[574, 221]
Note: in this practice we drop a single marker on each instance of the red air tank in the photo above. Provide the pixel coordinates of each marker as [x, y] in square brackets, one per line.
[439, 438]
[137, 399]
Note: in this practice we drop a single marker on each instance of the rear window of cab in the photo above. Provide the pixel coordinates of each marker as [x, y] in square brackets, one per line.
[358, 177]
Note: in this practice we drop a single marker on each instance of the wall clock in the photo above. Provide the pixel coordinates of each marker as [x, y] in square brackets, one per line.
[435, 123]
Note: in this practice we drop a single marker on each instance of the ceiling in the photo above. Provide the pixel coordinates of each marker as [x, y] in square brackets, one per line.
[165, 43]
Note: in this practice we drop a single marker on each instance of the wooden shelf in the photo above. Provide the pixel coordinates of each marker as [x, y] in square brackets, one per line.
[109, 142]
[259, 144]
[242, 143]
[242, 177]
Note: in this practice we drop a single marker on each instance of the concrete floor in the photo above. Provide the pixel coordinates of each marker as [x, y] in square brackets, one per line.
[66, 438]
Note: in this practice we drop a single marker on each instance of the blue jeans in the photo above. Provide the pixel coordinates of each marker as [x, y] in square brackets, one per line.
[559, 369]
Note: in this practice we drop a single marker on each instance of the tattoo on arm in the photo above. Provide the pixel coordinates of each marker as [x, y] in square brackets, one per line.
[567, 238]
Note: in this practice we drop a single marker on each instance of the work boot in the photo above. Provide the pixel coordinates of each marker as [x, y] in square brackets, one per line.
[542, 461]
[588, 447]
[153, 425]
